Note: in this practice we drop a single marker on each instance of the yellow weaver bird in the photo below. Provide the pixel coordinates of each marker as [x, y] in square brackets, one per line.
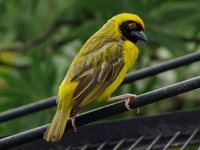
[97, 70]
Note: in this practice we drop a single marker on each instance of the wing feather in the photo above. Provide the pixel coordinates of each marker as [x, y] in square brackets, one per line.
[93, 80]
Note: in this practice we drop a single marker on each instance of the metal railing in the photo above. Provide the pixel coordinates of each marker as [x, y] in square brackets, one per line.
[109, 110]
[131, 77]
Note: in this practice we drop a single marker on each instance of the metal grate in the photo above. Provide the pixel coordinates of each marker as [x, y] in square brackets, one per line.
[179, 130]
[148, 143]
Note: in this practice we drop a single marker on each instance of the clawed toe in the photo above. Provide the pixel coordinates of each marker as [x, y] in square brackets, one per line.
[127, 97]
[127, 104]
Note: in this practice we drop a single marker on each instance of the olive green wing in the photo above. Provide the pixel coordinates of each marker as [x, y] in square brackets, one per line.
[96, 75]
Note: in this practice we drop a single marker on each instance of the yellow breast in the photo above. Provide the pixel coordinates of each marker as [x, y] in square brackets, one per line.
[130, 51]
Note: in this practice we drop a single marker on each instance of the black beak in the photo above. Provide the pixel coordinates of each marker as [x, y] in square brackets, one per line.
[140, 35]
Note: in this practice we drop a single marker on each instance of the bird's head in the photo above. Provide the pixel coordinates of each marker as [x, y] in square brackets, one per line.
[130, 26]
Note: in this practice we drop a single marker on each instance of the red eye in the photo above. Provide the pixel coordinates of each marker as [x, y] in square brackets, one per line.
[131, 25]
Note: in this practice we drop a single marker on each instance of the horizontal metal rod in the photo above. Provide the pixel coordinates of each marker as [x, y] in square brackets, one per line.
[162, 67]
[133, 76]
[28, 109]
[106, 111]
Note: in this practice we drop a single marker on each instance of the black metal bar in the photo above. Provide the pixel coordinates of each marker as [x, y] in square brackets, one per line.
[136, 143]
[154, 142]
[106, 111]
[119, 144]
[84, 147]
[27, 109]
[133, 76]
[68, 148]
[189, 139]
[102, 146]
[171, 140]
[168, 65]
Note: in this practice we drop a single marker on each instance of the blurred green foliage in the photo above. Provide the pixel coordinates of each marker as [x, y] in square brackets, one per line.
[39, 38]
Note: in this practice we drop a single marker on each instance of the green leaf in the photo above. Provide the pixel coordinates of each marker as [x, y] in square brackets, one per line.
[177, 11]
[168, 40]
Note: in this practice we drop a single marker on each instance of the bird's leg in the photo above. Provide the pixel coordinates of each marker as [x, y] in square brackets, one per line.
[73, 119]
[127, 98]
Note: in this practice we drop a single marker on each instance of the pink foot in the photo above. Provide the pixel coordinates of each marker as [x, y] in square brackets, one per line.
[126, 104]
[127, 99]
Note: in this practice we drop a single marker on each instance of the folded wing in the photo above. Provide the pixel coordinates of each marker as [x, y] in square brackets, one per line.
[97, 74]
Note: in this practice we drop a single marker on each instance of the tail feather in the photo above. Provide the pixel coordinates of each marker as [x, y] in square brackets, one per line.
[57, 127]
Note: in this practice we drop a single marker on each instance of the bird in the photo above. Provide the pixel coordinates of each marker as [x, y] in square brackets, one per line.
[97, 70]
